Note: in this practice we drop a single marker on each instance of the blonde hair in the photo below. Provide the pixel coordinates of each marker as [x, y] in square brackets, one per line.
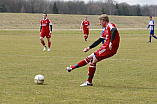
[104, 17]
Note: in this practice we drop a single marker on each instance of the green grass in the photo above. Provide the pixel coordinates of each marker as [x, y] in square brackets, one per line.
[129, 77]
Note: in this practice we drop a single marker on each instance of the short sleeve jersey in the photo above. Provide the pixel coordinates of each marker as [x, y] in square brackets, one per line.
[107, 36]
[45, 25]
[85, 24]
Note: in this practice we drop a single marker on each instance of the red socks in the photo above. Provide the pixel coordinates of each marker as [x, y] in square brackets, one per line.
[92, 68]
[85, 37]
[43, 43]
[49, 44]
[91, 72]
[81, 63]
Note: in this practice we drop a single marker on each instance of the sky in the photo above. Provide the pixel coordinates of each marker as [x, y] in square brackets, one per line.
[130, 2]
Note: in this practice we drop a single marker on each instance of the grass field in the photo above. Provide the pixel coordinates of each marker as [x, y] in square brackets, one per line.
[129, 77]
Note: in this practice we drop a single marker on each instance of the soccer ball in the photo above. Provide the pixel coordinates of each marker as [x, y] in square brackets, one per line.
[39, 79]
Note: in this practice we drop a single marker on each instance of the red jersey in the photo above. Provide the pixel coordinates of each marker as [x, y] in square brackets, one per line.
[85, 24]
[107, 36]
[45, 25]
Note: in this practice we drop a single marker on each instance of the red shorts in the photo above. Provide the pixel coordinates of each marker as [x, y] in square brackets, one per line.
[47, 34]
[104, 53]
[86, 31]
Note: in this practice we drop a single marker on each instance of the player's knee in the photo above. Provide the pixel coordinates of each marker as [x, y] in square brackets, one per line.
[41, 38]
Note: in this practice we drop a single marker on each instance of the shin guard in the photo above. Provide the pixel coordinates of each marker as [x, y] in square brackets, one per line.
[91, 72]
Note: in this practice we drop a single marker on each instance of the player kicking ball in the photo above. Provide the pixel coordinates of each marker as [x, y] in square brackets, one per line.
[45, 31]
[108, 49]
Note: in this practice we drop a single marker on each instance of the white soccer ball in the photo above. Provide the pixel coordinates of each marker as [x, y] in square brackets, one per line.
[39, 79]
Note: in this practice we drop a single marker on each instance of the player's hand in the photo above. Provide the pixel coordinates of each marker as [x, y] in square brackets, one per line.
[50, 33]
[80, 29]
[86, 49]
[146, 29]
[110, 46]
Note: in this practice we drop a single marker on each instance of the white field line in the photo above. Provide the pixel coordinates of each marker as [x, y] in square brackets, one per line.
[69, 29]
[70, 57]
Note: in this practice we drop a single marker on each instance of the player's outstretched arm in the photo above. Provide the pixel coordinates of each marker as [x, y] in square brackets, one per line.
[94, 44]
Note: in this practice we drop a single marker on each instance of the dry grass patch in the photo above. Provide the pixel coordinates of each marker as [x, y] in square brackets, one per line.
[67, 21]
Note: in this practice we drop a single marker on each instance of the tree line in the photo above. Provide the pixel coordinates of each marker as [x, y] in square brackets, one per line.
[109, 7]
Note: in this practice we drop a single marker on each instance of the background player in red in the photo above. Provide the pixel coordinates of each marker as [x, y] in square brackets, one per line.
[85, 25]
[45, 31]
[108, 49]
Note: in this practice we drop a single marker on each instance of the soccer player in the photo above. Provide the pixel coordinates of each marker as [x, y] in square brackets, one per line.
[85, 25]
[151, 25]
[45, 31]
[108, 49]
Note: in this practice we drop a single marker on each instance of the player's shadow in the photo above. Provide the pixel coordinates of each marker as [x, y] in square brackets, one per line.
[41, 84]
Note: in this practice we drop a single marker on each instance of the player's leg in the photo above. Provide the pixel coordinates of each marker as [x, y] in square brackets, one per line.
[99, 55]
[42, 35]
[81, 63]
[87, 32]
[43, 43]
[154, 36]
[48, 36]
[92, 69]
[91, 72]
[150, 37]
[85, 37]
[49, 43]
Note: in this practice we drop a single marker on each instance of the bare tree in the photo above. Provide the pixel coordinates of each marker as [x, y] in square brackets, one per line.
[110, 7]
